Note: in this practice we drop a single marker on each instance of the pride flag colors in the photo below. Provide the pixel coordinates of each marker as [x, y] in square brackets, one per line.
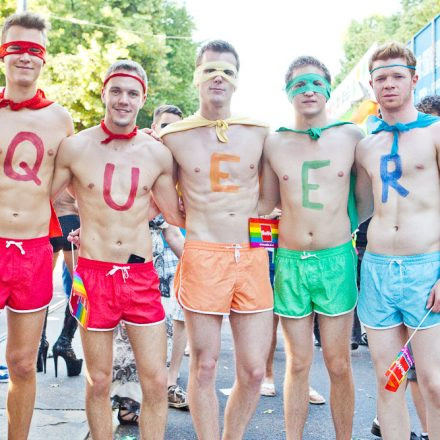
[399, 369]
[263, 233]
[79, 302]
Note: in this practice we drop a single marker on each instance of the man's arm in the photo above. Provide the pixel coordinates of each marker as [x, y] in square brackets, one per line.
[62, 175]
[363, 190]
[164, 190]
[175, 239]
[270, 186]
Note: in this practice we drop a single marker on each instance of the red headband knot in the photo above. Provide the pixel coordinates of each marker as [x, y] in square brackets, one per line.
[18, 47]
[137, 78]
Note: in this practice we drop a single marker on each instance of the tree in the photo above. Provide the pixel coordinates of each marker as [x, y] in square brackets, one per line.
[86, 37]
[399, 27]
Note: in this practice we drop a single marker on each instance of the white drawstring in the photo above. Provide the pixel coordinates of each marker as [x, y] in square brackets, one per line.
[123, 269]
[19, 244]
[306, 255]
[236, 248]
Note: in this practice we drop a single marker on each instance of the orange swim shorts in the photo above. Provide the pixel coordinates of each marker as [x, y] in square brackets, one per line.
[215, 278]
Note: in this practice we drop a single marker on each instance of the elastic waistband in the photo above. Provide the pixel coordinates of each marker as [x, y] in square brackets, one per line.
[226, 247]
[106, 266]
[431, 257]
[26, 243]
[320, 253]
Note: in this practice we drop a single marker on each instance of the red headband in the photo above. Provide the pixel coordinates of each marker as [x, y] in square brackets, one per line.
[130, 76]
[24, 47]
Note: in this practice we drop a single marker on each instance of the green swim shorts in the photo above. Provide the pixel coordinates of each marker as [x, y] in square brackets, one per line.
[322, 281]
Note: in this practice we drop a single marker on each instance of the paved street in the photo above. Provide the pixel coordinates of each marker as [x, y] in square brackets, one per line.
[60, 411]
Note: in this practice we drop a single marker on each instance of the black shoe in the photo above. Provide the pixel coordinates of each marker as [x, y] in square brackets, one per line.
[364, 340]
[414, 436]
[63, 346]
[375, 428]
[424, 437]
[354, 344]
[64, 349]
[42, 356]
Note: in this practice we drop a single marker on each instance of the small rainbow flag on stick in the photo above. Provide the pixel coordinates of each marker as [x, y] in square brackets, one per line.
[263, 232]
[79, 301]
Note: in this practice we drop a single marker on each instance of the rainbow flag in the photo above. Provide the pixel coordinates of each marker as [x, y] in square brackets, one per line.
[79, 301]
[399, 369]
[263, 232]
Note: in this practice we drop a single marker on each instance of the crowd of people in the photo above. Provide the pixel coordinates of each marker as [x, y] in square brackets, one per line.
[207, 175]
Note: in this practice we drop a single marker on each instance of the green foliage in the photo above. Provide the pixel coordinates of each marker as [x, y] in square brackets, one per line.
[399, 27]
[86, 37]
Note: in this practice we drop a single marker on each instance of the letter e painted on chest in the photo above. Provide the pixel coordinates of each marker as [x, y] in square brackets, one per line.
[216, 175]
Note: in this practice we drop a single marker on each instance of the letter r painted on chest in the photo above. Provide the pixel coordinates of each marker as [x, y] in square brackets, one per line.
[108, 177]
[306, 186]
[390, 178]
[216, 175]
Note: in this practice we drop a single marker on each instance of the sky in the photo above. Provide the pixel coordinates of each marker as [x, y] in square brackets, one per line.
[269, 34]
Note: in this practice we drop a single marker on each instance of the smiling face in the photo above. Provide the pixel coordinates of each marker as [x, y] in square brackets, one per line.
[23, 69]
[393, 86]
[308, 103]
[217, 90]
[123, 98]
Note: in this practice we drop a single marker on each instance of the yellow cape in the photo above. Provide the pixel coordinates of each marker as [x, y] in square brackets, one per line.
[221, 126]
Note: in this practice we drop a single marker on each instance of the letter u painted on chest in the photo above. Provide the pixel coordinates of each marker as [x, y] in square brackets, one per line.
[216, 175]
[108, 177]
[30, 173]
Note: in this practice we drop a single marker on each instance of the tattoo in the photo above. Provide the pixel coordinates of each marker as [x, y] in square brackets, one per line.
[108, 176]
[216, 175]
[306, 186]
[390, 178]
[31, 173]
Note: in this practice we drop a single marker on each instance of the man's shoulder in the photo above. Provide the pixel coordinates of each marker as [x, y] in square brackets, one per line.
[86, 135]
[60, 113]
[352, 130]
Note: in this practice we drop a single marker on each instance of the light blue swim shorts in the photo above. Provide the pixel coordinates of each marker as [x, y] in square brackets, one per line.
[395, 289]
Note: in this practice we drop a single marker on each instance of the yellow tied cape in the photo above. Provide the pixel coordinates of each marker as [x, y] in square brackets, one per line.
[221, 125]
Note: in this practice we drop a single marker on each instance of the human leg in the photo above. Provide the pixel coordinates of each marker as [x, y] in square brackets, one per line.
[335, 340]
[391, 407]
[419, 403]
[252, 339]
[24, 330]
[98, 352]
[427, 358]
[299, 354]
[152, 375]
[268, 385]
[204, 339]
[179, 344]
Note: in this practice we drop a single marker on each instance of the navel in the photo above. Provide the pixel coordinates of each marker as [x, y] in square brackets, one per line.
[91, 185]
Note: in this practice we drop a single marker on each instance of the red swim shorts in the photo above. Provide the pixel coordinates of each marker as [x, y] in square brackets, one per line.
[25, 274]
[120, 292]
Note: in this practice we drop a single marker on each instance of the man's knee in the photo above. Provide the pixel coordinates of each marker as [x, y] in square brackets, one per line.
[155, 383]
[298, 364]
[205, 370]
[338, 367]
[99, 383]
[431, 389]
[21, 364]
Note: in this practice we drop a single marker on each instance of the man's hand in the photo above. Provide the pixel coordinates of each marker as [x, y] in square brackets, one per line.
[152, 133]
[73, 237]
[434, 298]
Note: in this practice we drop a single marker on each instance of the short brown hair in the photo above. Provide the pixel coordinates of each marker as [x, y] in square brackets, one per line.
[28, 20]
[304, 61]
[166, 108]
[220, 46]
[393, 50]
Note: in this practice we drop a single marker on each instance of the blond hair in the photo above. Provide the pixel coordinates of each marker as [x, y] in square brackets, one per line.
[393, 50]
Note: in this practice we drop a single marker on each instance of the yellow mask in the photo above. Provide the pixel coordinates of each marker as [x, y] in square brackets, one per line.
[211, 69]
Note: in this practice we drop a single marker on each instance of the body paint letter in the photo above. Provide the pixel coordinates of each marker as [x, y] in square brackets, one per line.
[306, 186]
[108, 176]
[390, 178]
[29, 173]
[216, 175]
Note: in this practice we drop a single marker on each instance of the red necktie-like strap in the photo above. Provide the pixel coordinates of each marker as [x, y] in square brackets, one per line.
[111, 135]
[37, 102]
[33, 49]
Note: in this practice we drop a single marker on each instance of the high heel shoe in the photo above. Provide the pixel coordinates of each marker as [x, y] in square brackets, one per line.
[64, 349]
[63, 346]
[42, 356]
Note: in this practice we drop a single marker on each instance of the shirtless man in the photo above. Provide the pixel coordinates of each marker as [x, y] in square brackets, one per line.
[316, 262]
[31, 129]
[401, 266]
[220, 275]
[112, 169]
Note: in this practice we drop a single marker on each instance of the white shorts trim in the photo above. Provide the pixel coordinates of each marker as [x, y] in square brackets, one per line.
[143, 325]
[27, 311]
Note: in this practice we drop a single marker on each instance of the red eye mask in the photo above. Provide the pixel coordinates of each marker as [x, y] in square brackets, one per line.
[29, 47]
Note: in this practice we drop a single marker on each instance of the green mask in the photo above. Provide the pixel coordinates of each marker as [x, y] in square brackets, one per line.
[309, 80]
